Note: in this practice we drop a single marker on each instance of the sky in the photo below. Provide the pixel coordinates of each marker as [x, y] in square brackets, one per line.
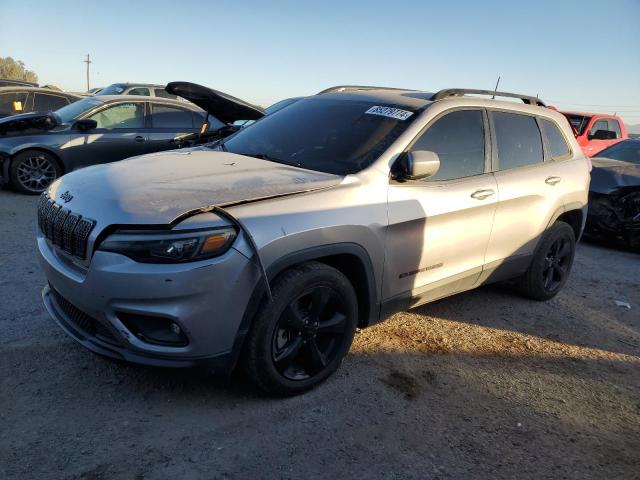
[576, 55]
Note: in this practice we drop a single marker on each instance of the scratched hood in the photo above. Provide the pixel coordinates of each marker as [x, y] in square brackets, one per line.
[155, 189]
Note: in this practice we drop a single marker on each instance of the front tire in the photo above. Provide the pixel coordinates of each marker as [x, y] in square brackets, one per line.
[300, 338]
[32, 171]
[549, 270]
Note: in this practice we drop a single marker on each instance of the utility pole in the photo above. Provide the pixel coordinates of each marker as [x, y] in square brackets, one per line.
[87, 61]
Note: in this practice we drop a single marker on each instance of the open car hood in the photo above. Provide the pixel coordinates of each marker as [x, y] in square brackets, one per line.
[224, 107]
[23, 122]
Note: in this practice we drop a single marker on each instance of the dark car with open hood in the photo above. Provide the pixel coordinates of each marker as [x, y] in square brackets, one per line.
[37, 148]
[614, 194]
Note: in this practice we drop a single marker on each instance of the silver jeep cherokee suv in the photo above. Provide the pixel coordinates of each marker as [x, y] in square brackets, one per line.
[272, 246]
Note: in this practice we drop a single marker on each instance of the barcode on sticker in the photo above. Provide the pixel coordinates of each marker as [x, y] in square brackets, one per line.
[389, 112]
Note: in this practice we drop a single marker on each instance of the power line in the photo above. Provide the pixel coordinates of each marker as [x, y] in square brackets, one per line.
[591, 104]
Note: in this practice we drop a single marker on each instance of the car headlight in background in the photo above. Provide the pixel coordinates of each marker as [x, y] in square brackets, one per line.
[170, 247]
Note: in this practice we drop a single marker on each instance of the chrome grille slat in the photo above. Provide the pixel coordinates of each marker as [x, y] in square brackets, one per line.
[65, 229]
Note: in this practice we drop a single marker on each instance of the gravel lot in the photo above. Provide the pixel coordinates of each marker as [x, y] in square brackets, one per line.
[481, 385]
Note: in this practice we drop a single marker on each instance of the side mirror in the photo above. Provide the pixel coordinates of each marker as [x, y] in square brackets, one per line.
[422, 164]
[603, 135]
[85, 124]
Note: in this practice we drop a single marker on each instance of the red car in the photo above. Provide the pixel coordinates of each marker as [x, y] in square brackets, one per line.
[596, 131]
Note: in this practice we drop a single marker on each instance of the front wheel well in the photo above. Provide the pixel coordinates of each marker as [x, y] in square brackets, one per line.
[352, 260]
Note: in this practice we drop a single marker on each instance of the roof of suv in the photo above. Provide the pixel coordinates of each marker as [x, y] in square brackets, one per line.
[420, 99]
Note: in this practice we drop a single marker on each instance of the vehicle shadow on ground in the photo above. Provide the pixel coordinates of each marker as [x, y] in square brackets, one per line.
[571, 318]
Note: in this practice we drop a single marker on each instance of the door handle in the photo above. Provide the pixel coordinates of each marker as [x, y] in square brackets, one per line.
[552, 180]
[139, 138]
[482, 194]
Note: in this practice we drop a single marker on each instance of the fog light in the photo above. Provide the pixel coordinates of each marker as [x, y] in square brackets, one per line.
[155, 330]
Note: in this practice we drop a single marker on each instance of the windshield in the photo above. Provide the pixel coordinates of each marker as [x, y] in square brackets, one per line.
[115, 89]
[325, 134]
[72, 111]
[625, 151]
[280, 105]
[578, 122]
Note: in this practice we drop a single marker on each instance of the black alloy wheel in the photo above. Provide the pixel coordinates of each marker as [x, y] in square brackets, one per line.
[557, 263]
[309, 333]
[299, 338]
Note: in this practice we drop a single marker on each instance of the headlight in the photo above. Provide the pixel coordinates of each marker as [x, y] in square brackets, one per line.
[170, 247]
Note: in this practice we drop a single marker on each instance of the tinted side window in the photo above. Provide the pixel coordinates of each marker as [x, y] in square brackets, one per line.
[161, 92]
[13, 102]
[44, 102]
[555, 141]
[614, 126]
[165, 116]
[518, 139]
[122, 115]
[139, 91]
[458, 139]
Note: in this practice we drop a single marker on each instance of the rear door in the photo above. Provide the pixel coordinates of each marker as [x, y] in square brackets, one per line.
[529, 189]
[121, 133]
[439, 227]
[170, 122]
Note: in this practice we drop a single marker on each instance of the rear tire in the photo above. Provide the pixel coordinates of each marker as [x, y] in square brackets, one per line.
[300, 338]
[32, 171]
[551, 264]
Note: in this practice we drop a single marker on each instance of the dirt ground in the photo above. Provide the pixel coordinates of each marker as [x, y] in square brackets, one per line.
[481, 385]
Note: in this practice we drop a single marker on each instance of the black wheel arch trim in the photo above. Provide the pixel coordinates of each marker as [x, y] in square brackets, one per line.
[295, 258]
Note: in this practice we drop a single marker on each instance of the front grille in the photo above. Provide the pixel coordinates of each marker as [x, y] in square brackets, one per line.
[66, 230]
[81, 320]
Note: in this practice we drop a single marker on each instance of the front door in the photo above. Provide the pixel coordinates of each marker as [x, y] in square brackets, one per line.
[120, 133]
[439, 227]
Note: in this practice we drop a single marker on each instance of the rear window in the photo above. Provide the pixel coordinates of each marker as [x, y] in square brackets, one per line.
[578, 122]
[518, 138]
[325, 134]
[45, 102]
[556, 144]
[115, 89]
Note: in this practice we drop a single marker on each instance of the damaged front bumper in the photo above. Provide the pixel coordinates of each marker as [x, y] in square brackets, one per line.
[616, 215]
[101, 307]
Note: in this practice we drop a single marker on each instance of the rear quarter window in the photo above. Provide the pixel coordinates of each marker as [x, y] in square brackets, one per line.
[556, 143]
[518, 140]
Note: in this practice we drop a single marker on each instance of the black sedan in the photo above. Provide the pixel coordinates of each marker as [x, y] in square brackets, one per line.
[614, 194]
[37, 148]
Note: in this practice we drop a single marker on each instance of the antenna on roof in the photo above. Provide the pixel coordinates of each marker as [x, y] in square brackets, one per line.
[496, 89]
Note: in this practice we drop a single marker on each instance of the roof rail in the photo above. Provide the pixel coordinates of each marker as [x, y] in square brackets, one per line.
[354, 88]
[457, 92]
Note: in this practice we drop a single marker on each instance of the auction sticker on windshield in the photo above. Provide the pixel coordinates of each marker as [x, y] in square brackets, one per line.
[389, 112]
